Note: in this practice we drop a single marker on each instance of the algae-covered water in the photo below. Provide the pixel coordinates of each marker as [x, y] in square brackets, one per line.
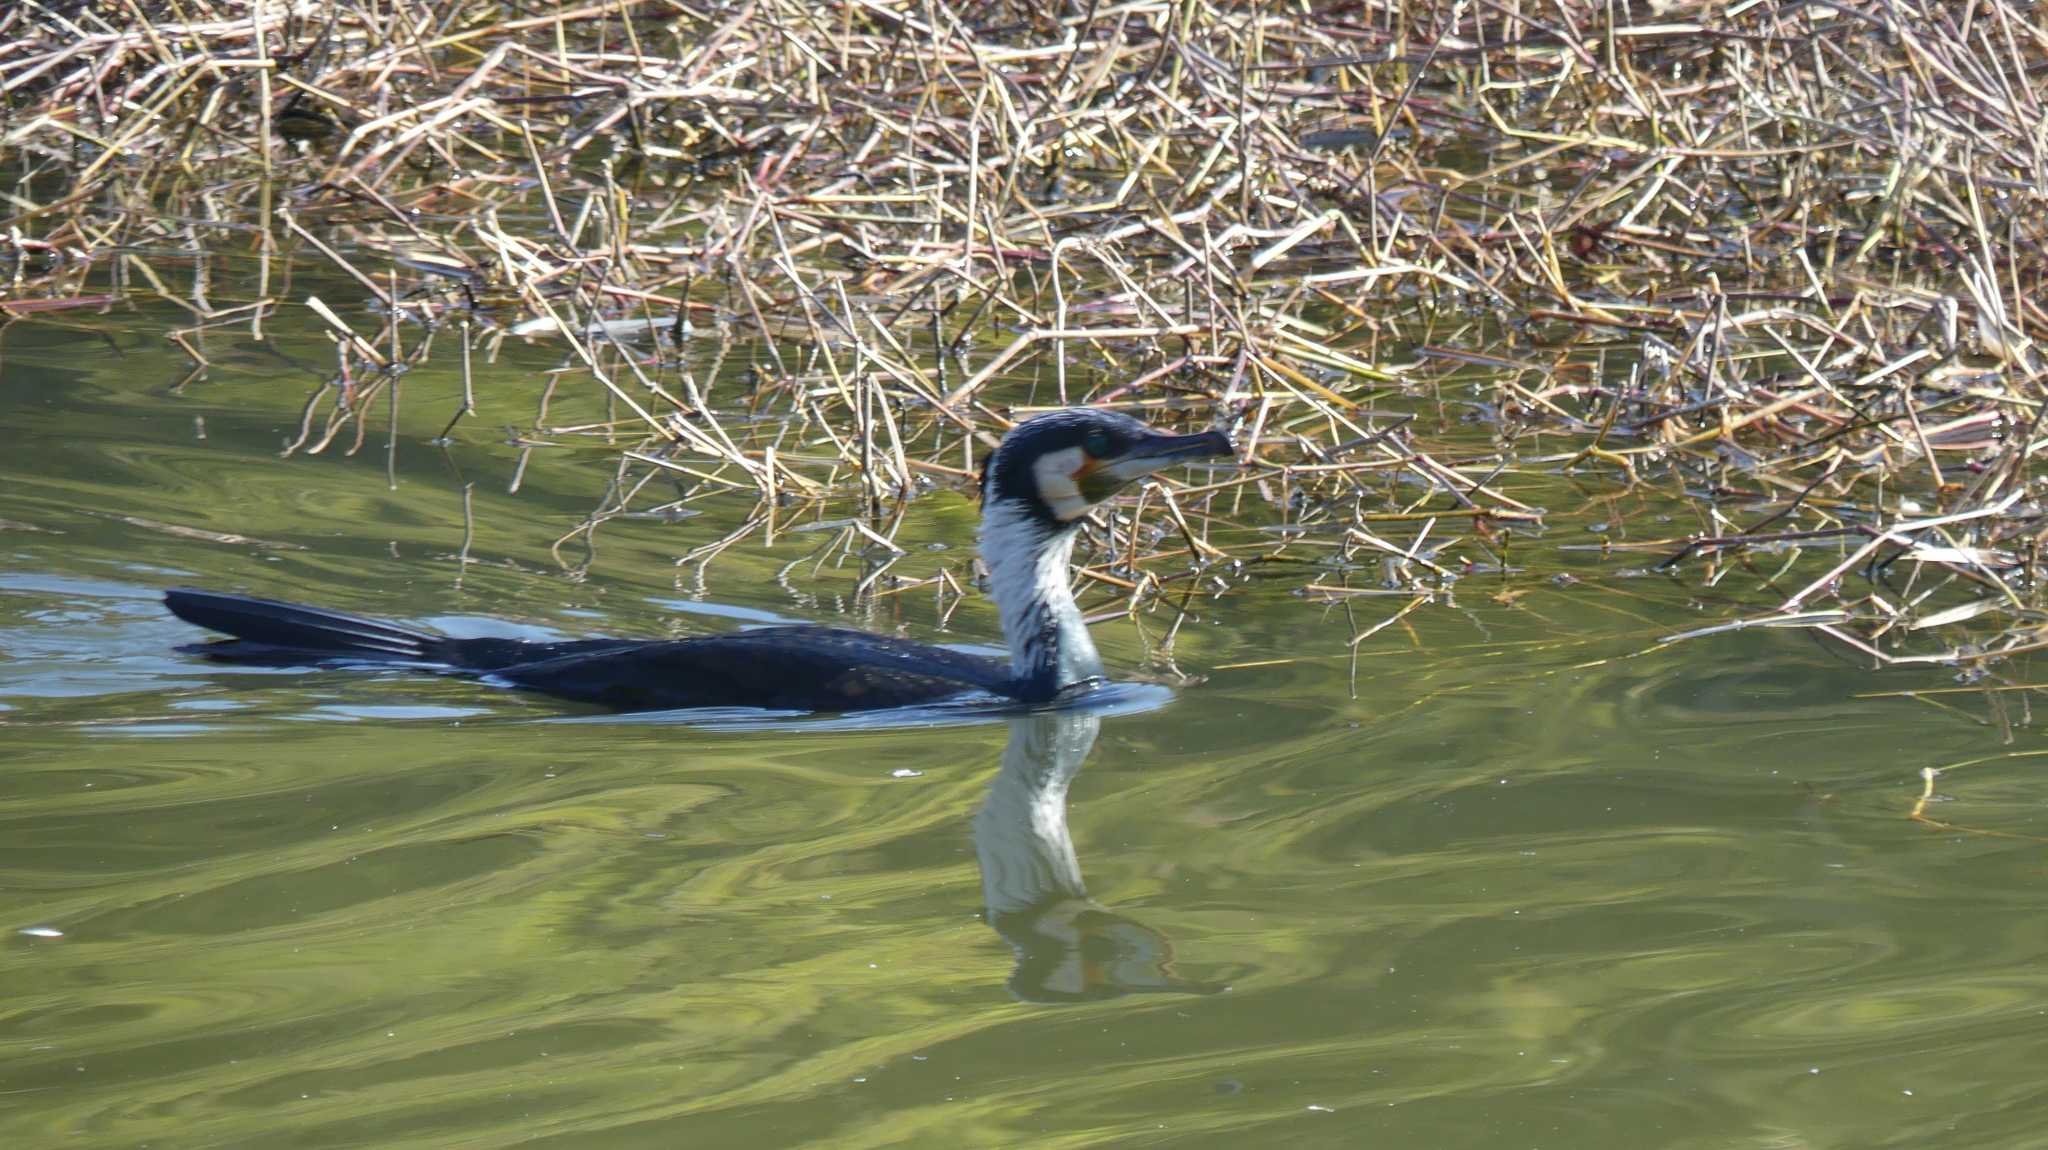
[1531, 880]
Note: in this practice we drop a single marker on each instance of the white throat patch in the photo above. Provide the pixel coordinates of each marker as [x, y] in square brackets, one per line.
[1054, 474]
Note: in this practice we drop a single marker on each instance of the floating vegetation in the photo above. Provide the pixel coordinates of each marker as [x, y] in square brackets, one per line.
[1763, 279]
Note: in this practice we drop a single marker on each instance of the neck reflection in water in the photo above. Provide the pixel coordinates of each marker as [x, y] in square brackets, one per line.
[1069, 947]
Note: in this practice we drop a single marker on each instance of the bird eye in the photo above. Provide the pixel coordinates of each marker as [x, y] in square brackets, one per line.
[1097, 444]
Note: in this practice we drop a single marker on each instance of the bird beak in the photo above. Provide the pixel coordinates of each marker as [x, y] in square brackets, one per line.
[1155, 452]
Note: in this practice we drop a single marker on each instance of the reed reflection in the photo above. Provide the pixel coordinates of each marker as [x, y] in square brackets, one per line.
[1069, 947]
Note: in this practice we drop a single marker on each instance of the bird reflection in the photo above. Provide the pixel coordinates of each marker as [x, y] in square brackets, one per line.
[1069, 947]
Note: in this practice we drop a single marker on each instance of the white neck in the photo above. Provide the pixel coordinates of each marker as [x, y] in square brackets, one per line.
[1027, 574]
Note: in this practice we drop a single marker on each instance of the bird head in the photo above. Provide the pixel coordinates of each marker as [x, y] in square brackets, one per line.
[1057, 467]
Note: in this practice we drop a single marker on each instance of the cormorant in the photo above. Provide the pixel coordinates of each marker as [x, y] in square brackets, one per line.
[1042, 480]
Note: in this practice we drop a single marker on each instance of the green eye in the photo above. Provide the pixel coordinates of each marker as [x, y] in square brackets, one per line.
[1097, 444]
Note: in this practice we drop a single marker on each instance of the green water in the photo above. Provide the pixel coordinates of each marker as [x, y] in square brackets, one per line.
[1538, 883]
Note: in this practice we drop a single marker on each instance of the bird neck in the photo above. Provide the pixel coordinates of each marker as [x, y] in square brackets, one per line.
[1027, 573]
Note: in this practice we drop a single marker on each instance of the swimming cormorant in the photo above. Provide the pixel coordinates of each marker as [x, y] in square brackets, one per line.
[1042, 480]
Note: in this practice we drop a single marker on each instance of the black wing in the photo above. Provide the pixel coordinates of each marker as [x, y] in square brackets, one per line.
[780, 668]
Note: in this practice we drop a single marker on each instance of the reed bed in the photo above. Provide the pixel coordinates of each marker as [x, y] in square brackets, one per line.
[1764, 276]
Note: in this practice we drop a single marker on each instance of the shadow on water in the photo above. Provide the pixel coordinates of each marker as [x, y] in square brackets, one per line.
[1069, 947]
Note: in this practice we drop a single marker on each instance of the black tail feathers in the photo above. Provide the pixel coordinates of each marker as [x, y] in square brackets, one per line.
[269, 631]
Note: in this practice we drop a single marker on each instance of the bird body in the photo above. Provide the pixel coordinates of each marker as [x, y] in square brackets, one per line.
[1037, 487]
